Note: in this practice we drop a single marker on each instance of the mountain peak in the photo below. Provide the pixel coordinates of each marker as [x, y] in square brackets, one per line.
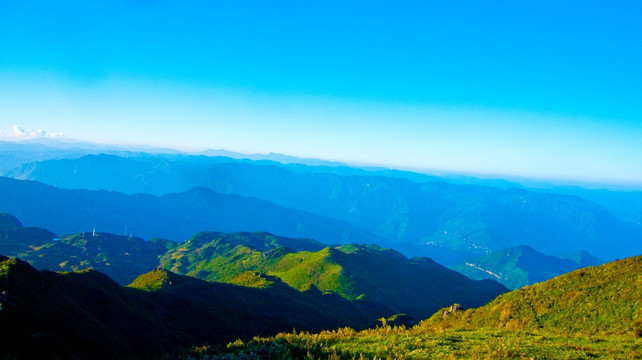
[159, 279]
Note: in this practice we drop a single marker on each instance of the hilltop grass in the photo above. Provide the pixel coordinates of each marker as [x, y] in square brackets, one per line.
[422, 343]
[302, 269]
[152, 281]
[226, 261]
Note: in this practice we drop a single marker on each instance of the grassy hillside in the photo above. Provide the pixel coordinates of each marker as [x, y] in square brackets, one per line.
[589, 313]
[122, 258]
[519, 266]
[415, 286]
[606, 299]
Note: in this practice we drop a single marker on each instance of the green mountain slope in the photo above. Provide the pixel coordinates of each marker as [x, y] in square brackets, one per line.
[87, 315]
[519, 266]
[122, 258]
[606, 299]
[416, 286]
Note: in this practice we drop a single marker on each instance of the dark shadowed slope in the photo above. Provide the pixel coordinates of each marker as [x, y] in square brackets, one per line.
[46, 314]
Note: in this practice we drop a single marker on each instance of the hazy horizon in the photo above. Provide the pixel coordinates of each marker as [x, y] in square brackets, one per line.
[546, 91]
[530, 182]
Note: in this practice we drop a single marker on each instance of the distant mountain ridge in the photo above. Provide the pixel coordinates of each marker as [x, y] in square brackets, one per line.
[413, 213]
[174, 216]
[581, 258]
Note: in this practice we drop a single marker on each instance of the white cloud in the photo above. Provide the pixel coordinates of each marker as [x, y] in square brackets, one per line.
[18, 131]
[38, 133]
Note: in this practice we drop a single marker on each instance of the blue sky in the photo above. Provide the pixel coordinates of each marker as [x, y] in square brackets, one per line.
[547, 89]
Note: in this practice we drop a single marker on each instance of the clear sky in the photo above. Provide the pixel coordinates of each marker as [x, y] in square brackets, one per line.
[548, 89]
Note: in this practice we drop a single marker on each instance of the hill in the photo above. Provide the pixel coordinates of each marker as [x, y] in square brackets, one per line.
[594, 312]
[87, 315]
[8, 221]
[354, 272]
[519, 266]
[122, 258]
[606, 299]
[416, 286]
[415, 214]
[174, 216]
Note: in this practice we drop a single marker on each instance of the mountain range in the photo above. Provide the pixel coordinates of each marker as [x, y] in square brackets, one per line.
[414, 213]
[173, 216]
[413, 286]
[354, 272]
[158, 252]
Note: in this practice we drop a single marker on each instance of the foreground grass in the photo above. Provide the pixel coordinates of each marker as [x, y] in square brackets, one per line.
[421, 343]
